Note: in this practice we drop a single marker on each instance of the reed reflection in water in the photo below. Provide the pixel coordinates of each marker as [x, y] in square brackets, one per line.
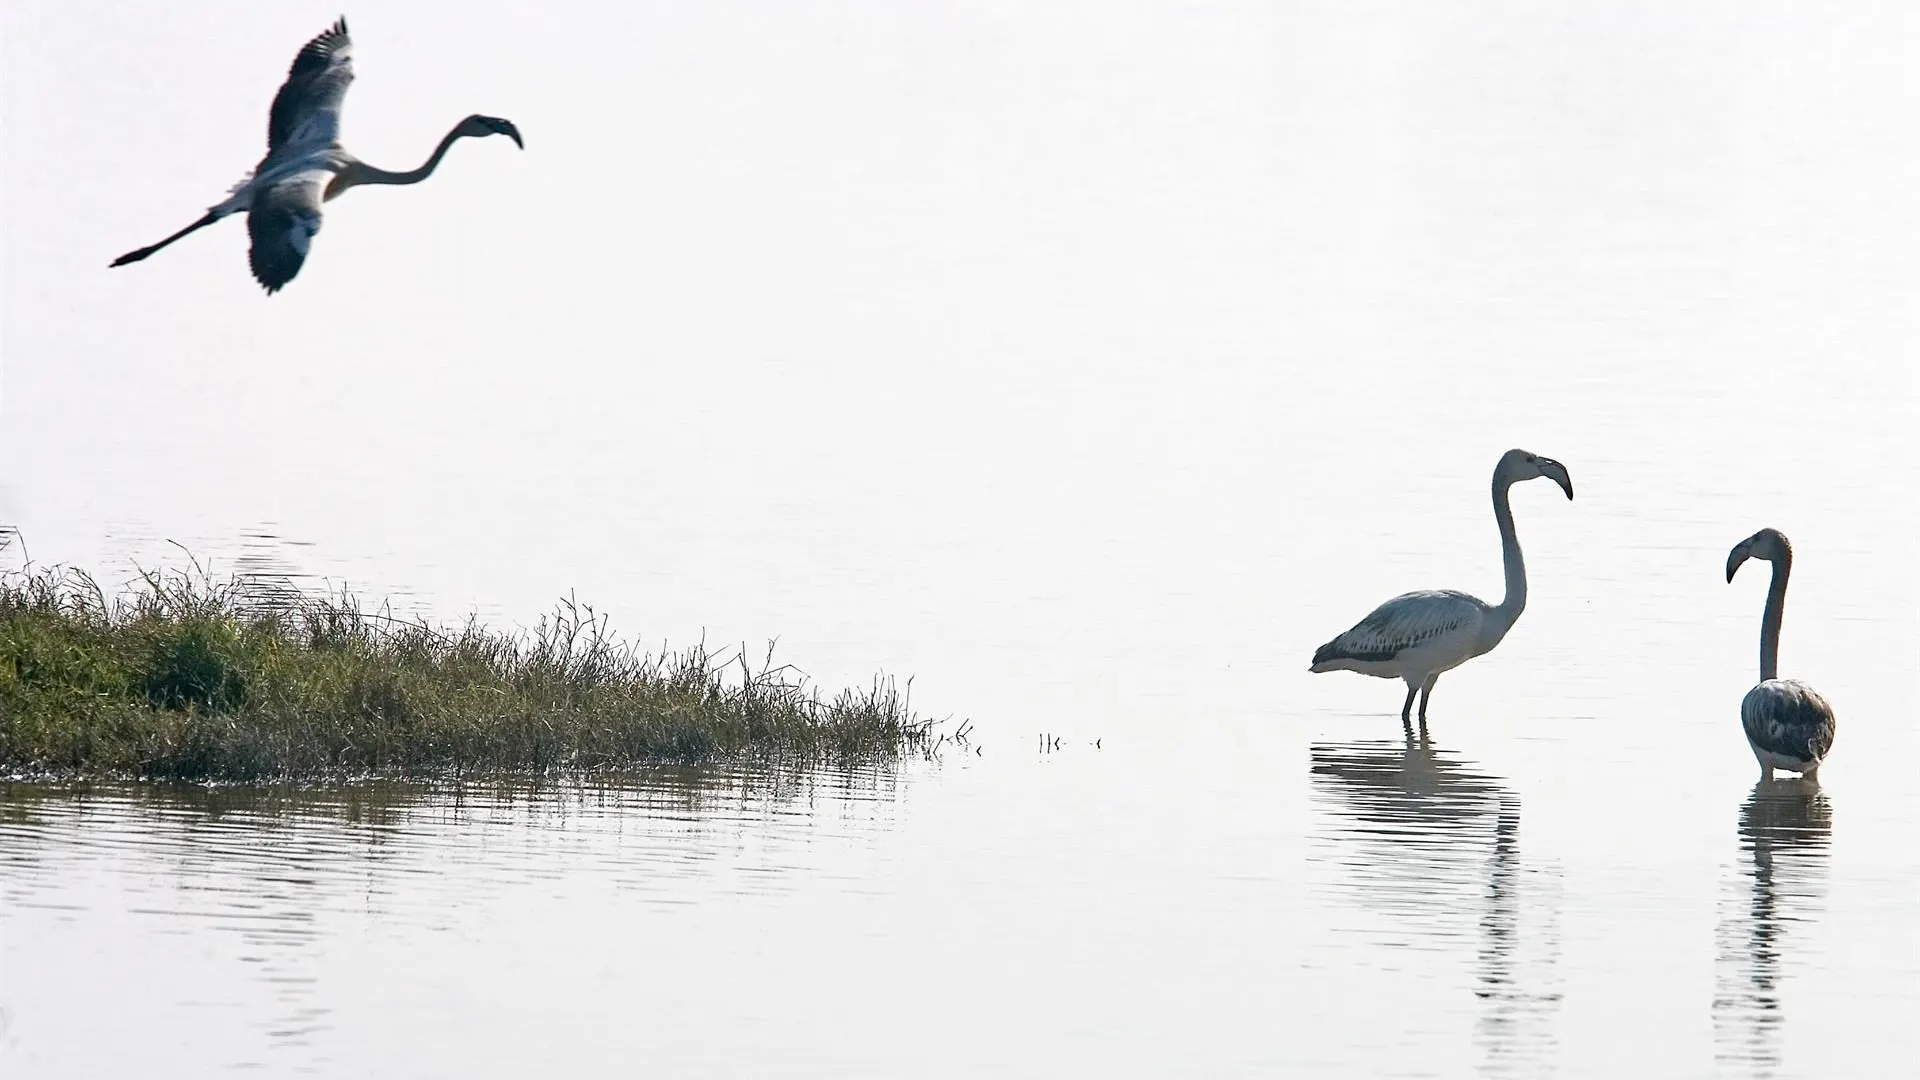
[267, 907]
[1786, 827]
[1434, 844]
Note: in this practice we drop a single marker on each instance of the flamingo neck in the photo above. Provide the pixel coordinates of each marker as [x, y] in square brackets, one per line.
[1770, 622]
[1510, 557]
[359, 172]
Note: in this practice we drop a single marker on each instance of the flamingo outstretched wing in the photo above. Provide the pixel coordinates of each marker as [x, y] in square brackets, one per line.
[307, 108]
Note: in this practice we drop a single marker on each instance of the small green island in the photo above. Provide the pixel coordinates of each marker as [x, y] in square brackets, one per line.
[180, 677]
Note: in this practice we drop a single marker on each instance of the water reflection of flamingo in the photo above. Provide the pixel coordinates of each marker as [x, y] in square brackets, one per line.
[1420, 817]
[1785, 829]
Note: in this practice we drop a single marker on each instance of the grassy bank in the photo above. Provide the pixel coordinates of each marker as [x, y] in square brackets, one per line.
[180, 677]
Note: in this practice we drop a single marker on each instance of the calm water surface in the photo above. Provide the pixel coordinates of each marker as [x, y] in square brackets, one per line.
[1290, 900]
[1089, 368]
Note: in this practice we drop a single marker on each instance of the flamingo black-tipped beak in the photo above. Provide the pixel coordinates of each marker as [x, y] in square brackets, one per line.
[496, 126]
[1557, 473]
[1734, 558]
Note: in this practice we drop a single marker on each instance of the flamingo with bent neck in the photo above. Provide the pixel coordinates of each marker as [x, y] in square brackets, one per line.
[306, 166]
[1419, 636]
[1788, 724]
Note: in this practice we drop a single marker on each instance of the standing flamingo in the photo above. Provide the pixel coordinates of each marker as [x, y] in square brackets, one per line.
[305, 165]
[1788, 725]
[1420, 635]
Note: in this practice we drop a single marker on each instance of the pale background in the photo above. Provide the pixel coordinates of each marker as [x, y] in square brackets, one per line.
[1091, 366]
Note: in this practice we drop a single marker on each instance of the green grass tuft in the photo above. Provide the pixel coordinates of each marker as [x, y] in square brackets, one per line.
[182, 677]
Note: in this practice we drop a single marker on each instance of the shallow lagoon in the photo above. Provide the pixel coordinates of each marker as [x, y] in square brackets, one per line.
[1089, 373]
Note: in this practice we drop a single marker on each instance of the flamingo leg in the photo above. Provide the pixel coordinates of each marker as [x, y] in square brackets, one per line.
[136, 256]
[1426, 692]
[1406, 710]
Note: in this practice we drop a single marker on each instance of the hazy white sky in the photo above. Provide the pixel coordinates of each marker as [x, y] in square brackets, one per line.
[838, 320]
